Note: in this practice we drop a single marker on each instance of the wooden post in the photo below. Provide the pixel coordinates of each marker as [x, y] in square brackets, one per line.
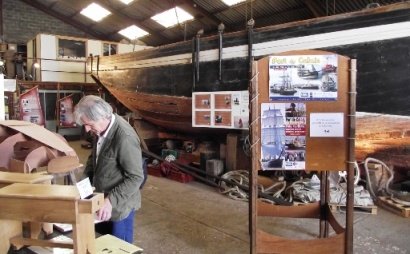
[351, 159]
[231, 148]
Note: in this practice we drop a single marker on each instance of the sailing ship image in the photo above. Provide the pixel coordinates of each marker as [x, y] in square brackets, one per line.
[272, 136]
[308, 86]
[305, 73]
[329, 83]
[285, 87]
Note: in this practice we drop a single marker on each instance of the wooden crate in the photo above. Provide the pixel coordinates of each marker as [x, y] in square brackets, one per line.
[371, 209]
[179, 176]
[392, 206]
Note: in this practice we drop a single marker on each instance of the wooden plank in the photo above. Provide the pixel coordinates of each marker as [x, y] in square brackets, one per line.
[371, 209]
[9, 177]
[19, 240]
[310, 210]
[9, 228]
[231, 151]
[268, 243]
[392, 206]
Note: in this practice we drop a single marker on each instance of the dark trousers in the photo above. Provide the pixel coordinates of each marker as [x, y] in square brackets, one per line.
[122, 229]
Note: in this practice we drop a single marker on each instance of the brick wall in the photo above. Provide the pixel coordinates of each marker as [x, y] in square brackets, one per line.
[21, 23]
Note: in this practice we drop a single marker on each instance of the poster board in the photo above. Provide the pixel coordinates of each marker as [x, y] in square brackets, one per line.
[30, 107]
[329, 145]
[322, 150]
[65, 108]
[222, 109]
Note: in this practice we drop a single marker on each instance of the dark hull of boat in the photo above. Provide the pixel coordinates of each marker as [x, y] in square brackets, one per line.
[158, 82]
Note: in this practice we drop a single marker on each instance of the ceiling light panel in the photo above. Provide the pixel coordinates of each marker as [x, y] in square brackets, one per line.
[172, 17]
[232, 2]
[133, 32]
[126, 1]
[95, 12]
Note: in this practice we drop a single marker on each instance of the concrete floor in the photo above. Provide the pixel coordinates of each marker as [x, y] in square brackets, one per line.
[192, 218]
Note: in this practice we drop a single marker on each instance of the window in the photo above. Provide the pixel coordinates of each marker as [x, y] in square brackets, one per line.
[71, 49]
[109, 49]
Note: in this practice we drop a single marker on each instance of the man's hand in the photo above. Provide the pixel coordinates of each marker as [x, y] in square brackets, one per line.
[104, 213]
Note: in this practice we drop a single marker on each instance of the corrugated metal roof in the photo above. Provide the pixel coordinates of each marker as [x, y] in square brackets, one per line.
[208, 14]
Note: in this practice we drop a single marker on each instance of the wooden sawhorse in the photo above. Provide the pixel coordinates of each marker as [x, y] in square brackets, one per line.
[48, 203]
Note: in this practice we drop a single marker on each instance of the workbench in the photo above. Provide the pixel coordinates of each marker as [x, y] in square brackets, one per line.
[21, 202]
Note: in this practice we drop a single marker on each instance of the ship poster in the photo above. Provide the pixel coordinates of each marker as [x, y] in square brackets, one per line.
[303, 78]
[66, 108]
[283, 136]
[222, 109]
[30, 107]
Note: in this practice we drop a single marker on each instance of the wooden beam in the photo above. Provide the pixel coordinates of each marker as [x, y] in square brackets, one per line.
[232, 147]
[315, 8]
[266, 20]
[1, 19]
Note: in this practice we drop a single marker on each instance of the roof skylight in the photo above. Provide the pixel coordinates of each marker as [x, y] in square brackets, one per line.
[232, 2]
[133, 32]
[95, 12]
[126, 1]
[172, 17]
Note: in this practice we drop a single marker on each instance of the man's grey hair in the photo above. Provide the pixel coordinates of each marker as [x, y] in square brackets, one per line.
[93, 108]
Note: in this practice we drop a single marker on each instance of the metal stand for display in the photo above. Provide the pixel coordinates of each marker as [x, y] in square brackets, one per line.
[322, 155]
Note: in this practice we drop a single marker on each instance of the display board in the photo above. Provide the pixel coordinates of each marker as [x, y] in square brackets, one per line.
[303, 100]
[30, 107]
[302, 114]
[65, 107]
[222, 109]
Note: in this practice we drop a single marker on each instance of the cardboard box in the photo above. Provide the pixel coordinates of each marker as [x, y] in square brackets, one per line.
[113, 245]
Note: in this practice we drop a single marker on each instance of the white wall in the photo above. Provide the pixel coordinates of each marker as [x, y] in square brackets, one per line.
[53, 68]
[48, 46]
[94, 47]
[126, 48]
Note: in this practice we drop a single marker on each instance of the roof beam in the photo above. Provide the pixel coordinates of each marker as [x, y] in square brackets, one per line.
[267, 20]
[65, 19]
[315, 8]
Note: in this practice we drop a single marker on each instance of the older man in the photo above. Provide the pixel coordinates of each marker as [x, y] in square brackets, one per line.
[114, 166]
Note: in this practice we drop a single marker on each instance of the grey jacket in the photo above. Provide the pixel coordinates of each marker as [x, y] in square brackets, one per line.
[118, 172]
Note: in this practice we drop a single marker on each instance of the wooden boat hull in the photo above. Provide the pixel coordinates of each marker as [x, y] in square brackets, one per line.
[170, 112]
[158, 82]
